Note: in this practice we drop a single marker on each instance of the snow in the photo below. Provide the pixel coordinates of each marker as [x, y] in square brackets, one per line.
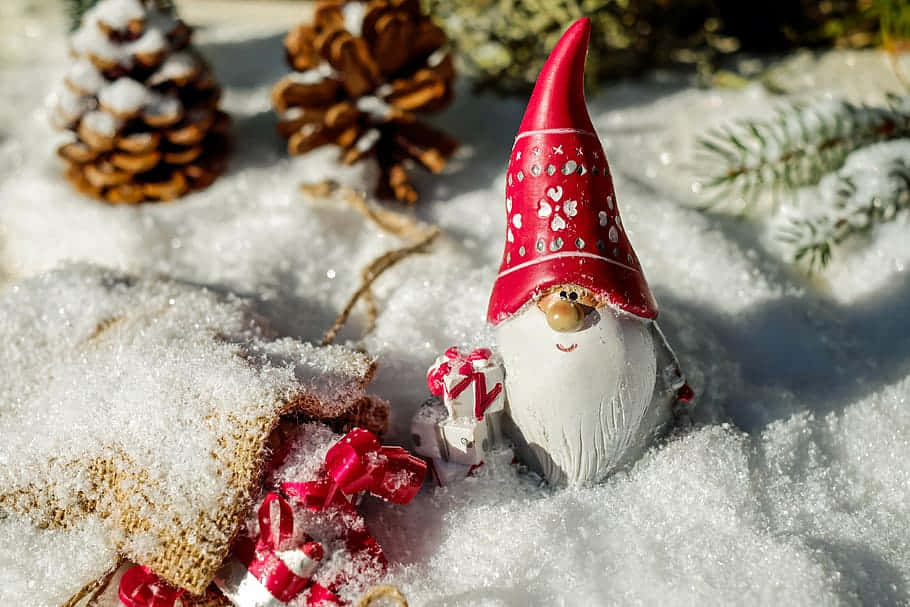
[101, 123]
[90, 39]
[124, 96]
[373, 106]
[45, 562]
[177, 65]
[117, 13]
[70, 106]
[163, 106]
[874, 174]
[153, 40]
[314, 76]
[792, 487]
[85, 77]
[353, 14]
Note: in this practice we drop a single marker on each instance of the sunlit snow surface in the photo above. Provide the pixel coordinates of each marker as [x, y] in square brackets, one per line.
[793, 487]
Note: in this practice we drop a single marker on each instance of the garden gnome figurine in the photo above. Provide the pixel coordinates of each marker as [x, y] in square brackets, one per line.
[589, 377]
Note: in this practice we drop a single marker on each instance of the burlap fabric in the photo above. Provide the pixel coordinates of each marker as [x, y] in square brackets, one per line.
[212, 385]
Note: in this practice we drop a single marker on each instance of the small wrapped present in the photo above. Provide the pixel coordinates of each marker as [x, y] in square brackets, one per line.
[460, 426]
[275, 567]
[466, 441]
[284, 564]
[471, 385]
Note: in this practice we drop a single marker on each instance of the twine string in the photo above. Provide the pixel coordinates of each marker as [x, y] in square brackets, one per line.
[392, 222]
[383, 591]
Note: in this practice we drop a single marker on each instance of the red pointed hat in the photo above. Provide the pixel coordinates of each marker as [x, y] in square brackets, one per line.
[563, 223]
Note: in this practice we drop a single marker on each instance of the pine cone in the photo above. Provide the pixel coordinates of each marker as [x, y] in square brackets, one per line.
[364, 69]
[142, 105]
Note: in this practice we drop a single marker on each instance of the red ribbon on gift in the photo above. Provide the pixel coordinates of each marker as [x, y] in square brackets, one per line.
[359, 463]
[139, 587]
[465, 366]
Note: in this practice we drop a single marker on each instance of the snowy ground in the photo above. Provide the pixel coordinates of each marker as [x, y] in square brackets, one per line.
[793, 487]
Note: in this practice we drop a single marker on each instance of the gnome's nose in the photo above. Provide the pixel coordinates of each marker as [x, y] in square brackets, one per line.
[565, 316]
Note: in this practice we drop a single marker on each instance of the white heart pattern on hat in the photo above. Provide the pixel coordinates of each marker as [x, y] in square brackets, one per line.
[544, 209]
[516, 221]
[571, 208]
[558, 223]
[555, 193]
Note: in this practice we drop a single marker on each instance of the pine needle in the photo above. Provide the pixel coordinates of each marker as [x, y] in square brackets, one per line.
[743, 160]
[852, 205]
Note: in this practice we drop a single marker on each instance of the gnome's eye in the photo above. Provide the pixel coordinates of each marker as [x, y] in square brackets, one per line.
[562, 295]
[573, 296]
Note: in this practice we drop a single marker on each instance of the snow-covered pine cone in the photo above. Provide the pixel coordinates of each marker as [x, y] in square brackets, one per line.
[364, 70]
[143, 107]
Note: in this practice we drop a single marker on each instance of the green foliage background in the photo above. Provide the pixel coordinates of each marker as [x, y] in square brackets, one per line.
[503, 43]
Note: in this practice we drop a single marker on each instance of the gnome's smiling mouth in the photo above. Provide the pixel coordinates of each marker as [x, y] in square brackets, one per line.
[566, 348]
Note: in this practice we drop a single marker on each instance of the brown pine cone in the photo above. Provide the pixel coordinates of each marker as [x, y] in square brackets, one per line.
[364, 70]
[143, 107]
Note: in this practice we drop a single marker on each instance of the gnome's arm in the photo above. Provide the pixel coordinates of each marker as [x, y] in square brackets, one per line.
[674, 380]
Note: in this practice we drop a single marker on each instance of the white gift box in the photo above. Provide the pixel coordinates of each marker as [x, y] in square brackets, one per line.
[465, 441]
[475, 394]
[426, 435]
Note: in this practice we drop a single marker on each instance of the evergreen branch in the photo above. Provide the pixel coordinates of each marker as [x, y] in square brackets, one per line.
[76, 9]
[872, 188]
[795, 148]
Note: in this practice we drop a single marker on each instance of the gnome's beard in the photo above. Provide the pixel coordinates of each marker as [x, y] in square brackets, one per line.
[580, 412]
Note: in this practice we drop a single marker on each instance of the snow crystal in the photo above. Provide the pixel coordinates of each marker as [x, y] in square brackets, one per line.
[353, 17]
[116, 13]
[161, 105]
[90, 40]
[152, 41]
[314, 76]
[38, 566]
[790, 490]
[177, 65]
[85, 77]
[374, 106]
[72, 105]
[305, 457]
[101, 123]
[124, 96]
